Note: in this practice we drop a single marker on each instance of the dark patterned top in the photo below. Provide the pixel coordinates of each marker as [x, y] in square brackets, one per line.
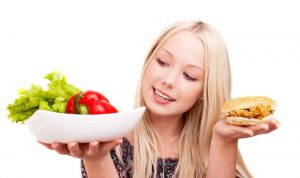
[124, 168]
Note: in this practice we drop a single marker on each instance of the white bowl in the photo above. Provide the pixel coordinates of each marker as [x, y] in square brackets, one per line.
[52, 127]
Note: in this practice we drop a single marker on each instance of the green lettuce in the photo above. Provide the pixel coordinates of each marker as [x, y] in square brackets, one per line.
[54, 99]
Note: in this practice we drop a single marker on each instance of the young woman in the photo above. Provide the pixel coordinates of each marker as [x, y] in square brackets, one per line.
[185, 80]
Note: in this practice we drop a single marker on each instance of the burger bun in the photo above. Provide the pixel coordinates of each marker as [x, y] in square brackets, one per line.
[243, 121]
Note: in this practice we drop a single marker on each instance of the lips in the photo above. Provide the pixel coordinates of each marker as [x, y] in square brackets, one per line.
[162, 97]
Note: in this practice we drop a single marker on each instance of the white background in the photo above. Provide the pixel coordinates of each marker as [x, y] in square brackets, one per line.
[101, 46]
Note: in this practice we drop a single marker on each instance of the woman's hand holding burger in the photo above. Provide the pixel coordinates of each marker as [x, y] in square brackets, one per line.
[231, 133]
[246, 117]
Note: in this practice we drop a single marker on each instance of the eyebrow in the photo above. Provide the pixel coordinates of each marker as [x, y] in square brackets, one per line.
[167, 52]
[190, 65]
[197, 67]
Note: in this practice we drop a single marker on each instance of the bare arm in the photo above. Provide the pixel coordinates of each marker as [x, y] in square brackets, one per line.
[224, 142]
[100, 168]
[95, 156]
[222, 158]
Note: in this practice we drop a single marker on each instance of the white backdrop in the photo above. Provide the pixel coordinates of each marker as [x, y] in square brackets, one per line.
[101, 46]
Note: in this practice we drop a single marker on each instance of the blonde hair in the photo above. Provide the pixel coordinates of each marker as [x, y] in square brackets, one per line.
[194, 142]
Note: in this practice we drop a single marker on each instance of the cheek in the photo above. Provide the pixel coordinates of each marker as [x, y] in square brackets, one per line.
[145, 85]
[148, 73]
[190, 94]
[152, 73]
[147, 80]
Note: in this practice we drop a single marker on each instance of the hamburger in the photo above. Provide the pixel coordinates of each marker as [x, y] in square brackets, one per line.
[250, 110]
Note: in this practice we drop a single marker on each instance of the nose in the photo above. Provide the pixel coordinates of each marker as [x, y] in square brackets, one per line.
[169, 79]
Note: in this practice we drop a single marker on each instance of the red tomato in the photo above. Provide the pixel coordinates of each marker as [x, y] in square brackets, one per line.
[90, 102]
[70, 105]
[101, 107]
[89, 96]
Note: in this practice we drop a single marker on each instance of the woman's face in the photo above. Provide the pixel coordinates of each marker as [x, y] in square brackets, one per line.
[173, 80]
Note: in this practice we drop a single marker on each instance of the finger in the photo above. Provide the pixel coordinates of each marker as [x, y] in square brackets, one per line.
[75, 150]
[111, 144]
[47, 145]
[273, 124]
[93, 148]
[60, 148]
[242, 132]
[259, 129]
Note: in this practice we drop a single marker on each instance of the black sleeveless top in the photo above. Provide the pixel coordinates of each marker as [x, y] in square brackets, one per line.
[124, 167]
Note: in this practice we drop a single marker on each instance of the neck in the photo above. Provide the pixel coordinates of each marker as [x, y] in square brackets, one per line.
[168, 126]
[169, 129]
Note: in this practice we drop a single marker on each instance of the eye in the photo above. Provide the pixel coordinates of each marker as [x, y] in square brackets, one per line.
[188, 77]
[161, 62]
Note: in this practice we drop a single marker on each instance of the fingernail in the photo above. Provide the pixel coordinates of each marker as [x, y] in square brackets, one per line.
[267, 127]
[54, 145]
[93, 144]
[73, 145]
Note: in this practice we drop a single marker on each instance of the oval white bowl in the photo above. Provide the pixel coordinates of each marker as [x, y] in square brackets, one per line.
[52, 127]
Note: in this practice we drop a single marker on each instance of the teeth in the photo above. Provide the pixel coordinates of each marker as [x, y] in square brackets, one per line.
[162, 96]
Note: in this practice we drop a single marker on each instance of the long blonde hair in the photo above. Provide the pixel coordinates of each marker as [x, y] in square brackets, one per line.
[194, 142]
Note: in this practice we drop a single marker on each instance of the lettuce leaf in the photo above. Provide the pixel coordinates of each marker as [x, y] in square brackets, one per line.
[54, 99]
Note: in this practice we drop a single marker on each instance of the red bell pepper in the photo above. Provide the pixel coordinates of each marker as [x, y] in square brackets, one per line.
[90, 102]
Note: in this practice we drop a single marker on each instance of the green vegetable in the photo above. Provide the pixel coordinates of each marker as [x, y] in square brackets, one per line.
[54, 99]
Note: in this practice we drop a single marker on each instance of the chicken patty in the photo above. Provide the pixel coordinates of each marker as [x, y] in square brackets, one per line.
[258, 112]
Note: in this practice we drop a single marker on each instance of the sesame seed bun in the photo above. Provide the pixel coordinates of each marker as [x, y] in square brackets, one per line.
[236, 108]
[247, 102]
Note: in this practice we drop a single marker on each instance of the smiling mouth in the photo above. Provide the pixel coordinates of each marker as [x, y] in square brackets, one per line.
[162, 96]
